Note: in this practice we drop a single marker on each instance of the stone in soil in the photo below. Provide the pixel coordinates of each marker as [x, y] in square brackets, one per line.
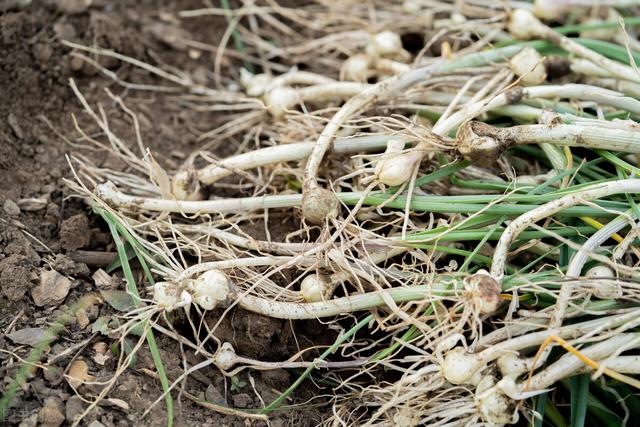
[15, 277]
[11, 208]
[75, 232]
[50, 414]
[52, 290]
[30, 336]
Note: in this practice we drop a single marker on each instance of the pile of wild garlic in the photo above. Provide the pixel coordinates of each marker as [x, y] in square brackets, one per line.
[450, 183]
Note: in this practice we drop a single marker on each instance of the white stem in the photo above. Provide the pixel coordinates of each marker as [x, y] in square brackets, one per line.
[110, 194]
[624, 86]
[519, 224]
[338, 306]
[286, 153]
[391, 66]
[480, 142]
[605, 138]
[282, 248]
[572, 91]
[577, 262]
[300, 78]
[329, 92]
[624, 364]
[569, 363]
[566, 332]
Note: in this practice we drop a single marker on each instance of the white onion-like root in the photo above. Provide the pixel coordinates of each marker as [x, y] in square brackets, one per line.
[319, 204]
[483, 291]
[602, 33]
[356, 68]
[316, 287]
[210, 289]
[511, 365]
[495, 407]
[170, 296]
[255, 84]
[280, 99]
[386, 43]
[396, 167]
[608, 288]
[550, 9]
[523, 25]
[529, 66]
[226, 358]
[412, 6]
[460, 366]
[185, 185]
[600, 271]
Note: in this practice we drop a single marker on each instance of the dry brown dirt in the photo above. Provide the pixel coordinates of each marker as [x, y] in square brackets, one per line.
[42, 230]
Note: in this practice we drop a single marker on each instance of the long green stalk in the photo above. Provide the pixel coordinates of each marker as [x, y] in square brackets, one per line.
[341, 339]
[131, 285]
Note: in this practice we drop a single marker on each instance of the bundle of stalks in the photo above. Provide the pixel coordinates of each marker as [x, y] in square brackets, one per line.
[470, 201]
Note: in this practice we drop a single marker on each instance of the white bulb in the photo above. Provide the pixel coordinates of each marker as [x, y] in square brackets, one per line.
[166, 295]
[600, 271]
[483, 291]
[387, 43]
[280, 99]
[210, 289]
[254, 84]
[226, 357]
[319, 205]
[411, 6]
[523, 25]
[527, 64]
[550, 9]
[495, 407]
[602, 33]
[185, 186]
[315, 288]
[356, 68]
[458, 18]
[396, 167]
[459, 366]
[510, 365]
[605, 289]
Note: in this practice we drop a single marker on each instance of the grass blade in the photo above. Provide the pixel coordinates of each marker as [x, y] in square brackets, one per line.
[131, 284]
[579, 388]
[276, 403]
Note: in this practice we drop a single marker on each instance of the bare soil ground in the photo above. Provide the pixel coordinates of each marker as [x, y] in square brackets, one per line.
[42, 231]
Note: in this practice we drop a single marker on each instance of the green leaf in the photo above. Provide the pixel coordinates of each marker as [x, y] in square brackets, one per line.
[119, 300]
[541, 403]
[116, 229]
[101, 325]
[579, 388]
[604, 414]
[137, 329]
[344, 337]
[129, 348]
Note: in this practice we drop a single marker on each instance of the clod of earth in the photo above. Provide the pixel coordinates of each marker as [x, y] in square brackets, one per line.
[52, 290]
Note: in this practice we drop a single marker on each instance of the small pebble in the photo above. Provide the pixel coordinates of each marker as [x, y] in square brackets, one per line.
[242, 400]
[213, 395]
[52, 290]
[29, 336]
[11, 208]
[12, 121]
[50, 414]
